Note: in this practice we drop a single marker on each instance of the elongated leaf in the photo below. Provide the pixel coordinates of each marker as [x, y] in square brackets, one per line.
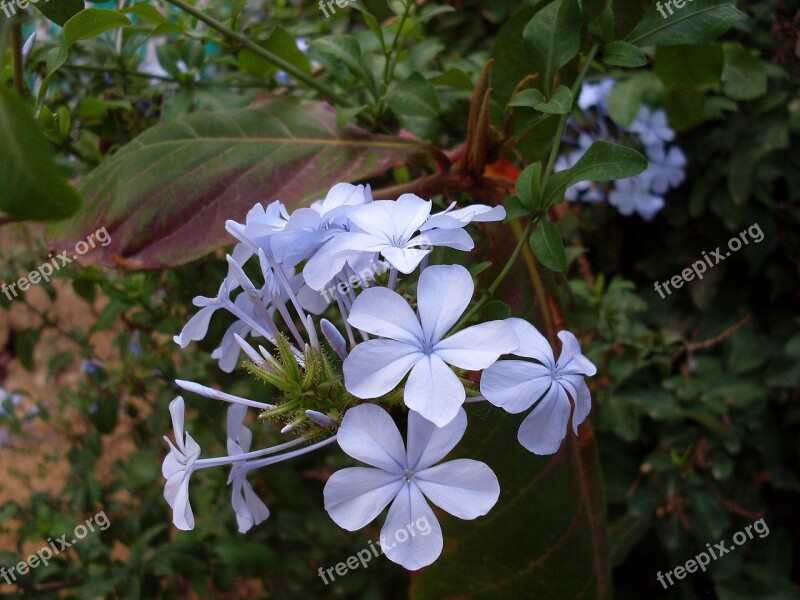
[91, 22]
[743, 76]
[60, 11]
[560, 102]
[689, 66]
[698, 22]
[414, 97]
[165, 197]
[603, 161]
[623, 54]
[33, 187]
[545, 538]
[547, 246]
[553, 35]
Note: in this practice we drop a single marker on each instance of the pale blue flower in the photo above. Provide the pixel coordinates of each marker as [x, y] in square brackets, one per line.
[407, 477]
[516, 385]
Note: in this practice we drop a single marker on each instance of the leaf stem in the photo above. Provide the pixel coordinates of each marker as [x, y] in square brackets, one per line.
[276, 60]
[489, 292]
[562, 122]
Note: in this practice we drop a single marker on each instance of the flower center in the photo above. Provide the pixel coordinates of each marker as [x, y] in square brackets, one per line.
[408, 475]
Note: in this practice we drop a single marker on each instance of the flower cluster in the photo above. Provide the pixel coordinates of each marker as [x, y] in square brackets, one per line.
[644, 193]
[399, 344]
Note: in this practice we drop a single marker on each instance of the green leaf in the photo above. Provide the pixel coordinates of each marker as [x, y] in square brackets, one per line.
[686, 108]
[514, 209]
[91, 22]
[547, 246]
[147, 12]
[623, 54]
[60, 11]
[743, 76]
[553, 36]
[602, 26]
[687, 66]
[603, 161]
[527, 186]
[546, 536]
[627, 97]
[33, 187]
[166, 195]
[25, 347]
[696, 22]
[280, 43]
[414, 97]
[560, 102]
[345, 49]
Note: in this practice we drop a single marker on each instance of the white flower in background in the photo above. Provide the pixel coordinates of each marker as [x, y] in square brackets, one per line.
[387, 227]
[595, 94]
[177, 468]
[652, 126]
[417, 343]
[567, 162]
[249, 508]
[633, 195]
[666, 169]
[407, 478]
[515, 386]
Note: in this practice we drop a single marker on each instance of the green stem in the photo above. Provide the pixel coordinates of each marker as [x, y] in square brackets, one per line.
[16, 45]
[276, 60]
[391, 60]
[489, 292]
[562, 123]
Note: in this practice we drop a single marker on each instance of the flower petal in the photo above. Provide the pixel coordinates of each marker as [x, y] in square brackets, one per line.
[374, 368]
[543, 430]
[443, 293]
[411, 535]
[465, 488]
[428, 444]
[404, 260]
[571, 361]
[380, 311]
[369, 434]
[433, 390]
[176, 493]
[477, 347]
[356, 495]
[577, 388]
[410, 213]
[514, 385]
[452, 238]
[532, 344]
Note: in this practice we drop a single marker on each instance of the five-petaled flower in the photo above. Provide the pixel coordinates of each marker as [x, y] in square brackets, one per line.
[417, 343]
[354, 496]
[515, 385]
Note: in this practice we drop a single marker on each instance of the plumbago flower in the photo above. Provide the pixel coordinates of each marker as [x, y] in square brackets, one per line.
[516, 385]
[418, 344]
[406, 477]
[642, 194]
[396, 340]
